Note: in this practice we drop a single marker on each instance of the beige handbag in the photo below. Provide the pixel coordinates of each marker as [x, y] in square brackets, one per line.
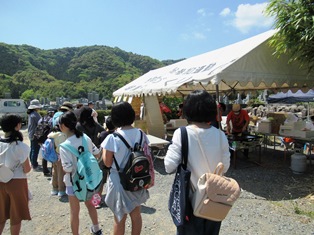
[214, 195]
[6, 174]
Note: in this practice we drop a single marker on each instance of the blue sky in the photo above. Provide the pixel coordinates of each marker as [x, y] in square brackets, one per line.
[161, 29]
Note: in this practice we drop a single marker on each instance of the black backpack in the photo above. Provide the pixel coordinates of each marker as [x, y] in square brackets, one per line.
[43, 129]
[136, 174]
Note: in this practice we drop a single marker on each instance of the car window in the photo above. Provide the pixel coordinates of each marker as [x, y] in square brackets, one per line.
[12, 103]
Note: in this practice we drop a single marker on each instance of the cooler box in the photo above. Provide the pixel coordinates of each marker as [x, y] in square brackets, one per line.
[303, 134]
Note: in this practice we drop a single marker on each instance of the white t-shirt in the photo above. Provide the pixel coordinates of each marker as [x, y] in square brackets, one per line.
[13, 155]
[69, 160]
[214, 144]
[115, 144]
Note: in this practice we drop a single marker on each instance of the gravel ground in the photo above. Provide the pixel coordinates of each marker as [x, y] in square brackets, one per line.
[273, 201]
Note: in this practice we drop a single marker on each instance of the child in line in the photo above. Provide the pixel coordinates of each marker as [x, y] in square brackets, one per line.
[120, 201]
[14, 194]
[67, 124]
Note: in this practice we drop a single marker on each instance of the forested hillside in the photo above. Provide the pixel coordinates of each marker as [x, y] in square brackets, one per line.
[27, 71]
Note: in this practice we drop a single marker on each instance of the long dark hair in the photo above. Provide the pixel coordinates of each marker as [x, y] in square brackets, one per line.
[69, 120]
[8, 124]
[86, 118]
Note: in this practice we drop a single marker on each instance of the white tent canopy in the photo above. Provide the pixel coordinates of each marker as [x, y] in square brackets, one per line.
[246, 65]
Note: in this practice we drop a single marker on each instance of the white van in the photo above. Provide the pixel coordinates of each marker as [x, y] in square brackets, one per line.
[14, 106]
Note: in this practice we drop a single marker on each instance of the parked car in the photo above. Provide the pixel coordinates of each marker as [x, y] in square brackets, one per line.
[14, 106]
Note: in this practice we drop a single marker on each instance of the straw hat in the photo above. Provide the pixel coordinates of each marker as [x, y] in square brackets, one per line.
[67, 106]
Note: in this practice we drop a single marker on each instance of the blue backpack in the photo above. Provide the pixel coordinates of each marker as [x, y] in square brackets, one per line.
[49, 151]
[88, 177]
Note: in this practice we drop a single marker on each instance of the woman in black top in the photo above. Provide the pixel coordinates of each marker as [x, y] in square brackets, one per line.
[88, 126]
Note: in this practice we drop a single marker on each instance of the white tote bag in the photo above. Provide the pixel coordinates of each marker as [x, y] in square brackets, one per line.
[6, 174]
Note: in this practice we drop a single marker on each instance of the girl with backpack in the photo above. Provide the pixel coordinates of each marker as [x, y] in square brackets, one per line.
[67, 124]
[120, 201]
[14, 195]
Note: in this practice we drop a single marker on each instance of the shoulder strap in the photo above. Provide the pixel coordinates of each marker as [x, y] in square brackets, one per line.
[123, 140]
[70, 148]
[84, 144]
[141, 139]
[126, 144]
[184, 146]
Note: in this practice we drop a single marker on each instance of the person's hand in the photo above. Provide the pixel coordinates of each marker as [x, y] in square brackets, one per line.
[228, 130]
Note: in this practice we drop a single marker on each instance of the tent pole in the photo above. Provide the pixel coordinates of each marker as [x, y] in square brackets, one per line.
[217, 93]
[218, 107]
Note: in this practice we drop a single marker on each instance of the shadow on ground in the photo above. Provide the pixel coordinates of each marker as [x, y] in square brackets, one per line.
[273, 179]
[160, 166]
[147, 210]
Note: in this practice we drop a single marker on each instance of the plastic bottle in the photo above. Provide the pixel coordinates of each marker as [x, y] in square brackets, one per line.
[234, 145]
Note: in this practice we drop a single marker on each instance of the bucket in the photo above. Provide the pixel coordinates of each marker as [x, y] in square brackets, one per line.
[298, 163]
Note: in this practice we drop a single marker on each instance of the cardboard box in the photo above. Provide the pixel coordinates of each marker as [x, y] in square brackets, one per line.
[278, 119]
[177, 123]
[264, 127]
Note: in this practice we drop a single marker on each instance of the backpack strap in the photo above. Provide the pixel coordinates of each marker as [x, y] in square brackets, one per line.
[77, 152]
[184, 146]
[126, 144]
[141, 139]
[123, 140]
[70, 148]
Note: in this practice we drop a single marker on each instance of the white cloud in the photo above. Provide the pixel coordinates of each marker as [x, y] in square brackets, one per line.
[225, 12]
[193, 36]
[201, 12]
[199, 36]
[250, 16]
[184, 37]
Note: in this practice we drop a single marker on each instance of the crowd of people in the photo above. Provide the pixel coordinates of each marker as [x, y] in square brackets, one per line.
[208, 145]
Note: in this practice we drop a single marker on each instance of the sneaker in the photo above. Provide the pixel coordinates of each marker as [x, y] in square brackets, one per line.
[99, 232]
[47, 174]
[61, 194]
[54, 193]
[37, 169]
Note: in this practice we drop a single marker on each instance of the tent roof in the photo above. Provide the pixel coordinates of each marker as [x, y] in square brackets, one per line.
[289, 97]
[246, 65]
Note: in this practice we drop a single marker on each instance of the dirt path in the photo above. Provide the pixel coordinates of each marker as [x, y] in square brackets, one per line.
[273, 201]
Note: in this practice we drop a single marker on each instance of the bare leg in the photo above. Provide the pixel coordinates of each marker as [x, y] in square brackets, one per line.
[15, 229]
[92, 212]
[119, 227]
[136, 219]
[74, 216]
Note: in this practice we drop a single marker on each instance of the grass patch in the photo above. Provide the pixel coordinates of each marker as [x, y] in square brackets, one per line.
[299, 211]
[276, 203]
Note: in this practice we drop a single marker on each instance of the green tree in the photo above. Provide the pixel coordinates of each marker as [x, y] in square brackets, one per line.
[294, 20]
[28, 95]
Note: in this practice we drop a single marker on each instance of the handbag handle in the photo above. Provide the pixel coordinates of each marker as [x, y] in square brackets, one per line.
[219, 169]
[184, 147]
[220, 166]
